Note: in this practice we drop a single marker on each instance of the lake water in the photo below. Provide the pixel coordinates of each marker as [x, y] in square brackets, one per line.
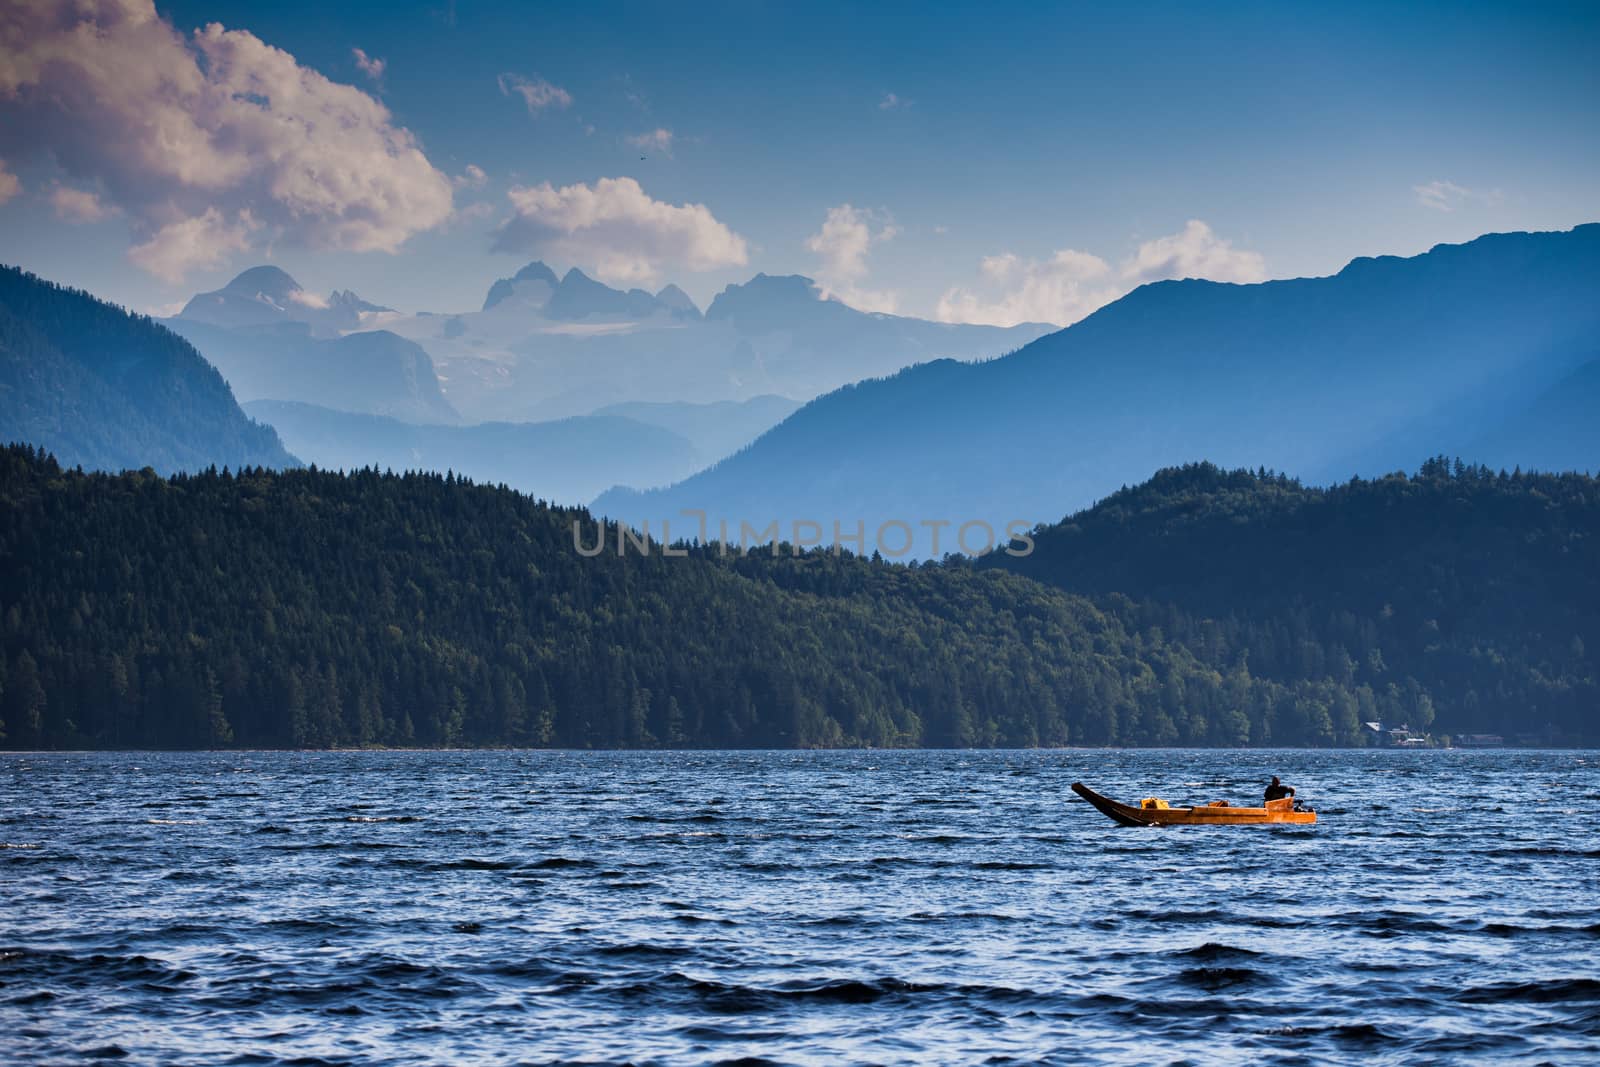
[501, 907]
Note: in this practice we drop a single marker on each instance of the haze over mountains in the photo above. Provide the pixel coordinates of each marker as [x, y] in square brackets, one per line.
[1489, 350]
[273, 340]
[1370, 370]
[1560, 430]
[566, 461]
[547, 348]
[715, 430]
[1279, 612]
[268, 296]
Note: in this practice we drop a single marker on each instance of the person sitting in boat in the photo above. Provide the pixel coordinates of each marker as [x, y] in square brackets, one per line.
[1277, 790]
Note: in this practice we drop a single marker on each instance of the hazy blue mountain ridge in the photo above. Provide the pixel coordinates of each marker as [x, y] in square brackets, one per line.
[546, 349]
[374, 372]
[717, 429]
[1366, 371]
[268, 295]
[1559, 431]
[104, 389]
[566, 461]
[536, 273]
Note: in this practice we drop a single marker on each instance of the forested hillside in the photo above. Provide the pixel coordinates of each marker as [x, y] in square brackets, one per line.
[1482, 586]
[102, 388]
[307, 608]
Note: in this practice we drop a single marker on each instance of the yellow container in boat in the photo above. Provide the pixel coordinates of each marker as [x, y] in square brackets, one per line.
[1154, 802]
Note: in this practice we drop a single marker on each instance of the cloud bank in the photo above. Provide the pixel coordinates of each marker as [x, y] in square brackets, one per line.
[847, 235]
[1071, 284]
[617, 230]
[211, 140]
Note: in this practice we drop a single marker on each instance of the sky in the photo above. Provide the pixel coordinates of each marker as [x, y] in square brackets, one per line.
[990, 163]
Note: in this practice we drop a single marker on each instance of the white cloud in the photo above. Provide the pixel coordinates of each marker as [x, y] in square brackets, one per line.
[1061, 289]
[201, 242]
[1194, 252]
[537, 93]
[1071, 284]
[10, 184]
[471, 213]
[615, 228]
[884, 301]
[471, 178]
[1001, 267]
[79, 205]
[309, 299]
[185, 133]
[1448, 196]
[847, 235]
[371, 66]
[892, 102]
[658, 139]
[844, 240]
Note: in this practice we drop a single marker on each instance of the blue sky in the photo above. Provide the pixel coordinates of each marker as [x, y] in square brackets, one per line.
[981, 162]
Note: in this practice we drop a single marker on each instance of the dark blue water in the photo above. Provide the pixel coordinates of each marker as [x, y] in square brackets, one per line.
[499, 907]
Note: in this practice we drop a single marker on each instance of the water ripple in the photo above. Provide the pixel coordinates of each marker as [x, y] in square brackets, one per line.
[511, 907]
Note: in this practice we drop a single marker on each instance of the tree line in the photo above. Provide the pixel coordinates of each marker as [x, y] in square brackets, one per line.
[304, 608]
[1474, 593]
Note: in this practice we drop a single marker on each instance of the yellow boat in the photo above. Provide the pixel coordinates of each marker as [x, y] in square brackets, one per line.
[1156, 813]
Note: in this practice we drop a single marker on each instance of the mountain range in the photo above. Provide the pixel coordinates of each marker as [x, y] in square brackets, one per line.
[268, 296]
[105, 389]
[544, 347]
[542, 352]
[566, 461]
[1487, 350]
[1370, 370]
[715, 430]
[273, 340]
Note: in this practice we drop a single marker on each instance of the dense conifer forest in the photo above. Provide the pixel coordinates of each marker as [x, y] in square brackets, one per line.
[1477, 590]
[306, 608]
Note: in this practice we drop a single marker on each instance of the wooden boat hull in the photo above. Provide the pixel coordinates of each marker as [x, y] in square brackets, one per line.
[1275, 812]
